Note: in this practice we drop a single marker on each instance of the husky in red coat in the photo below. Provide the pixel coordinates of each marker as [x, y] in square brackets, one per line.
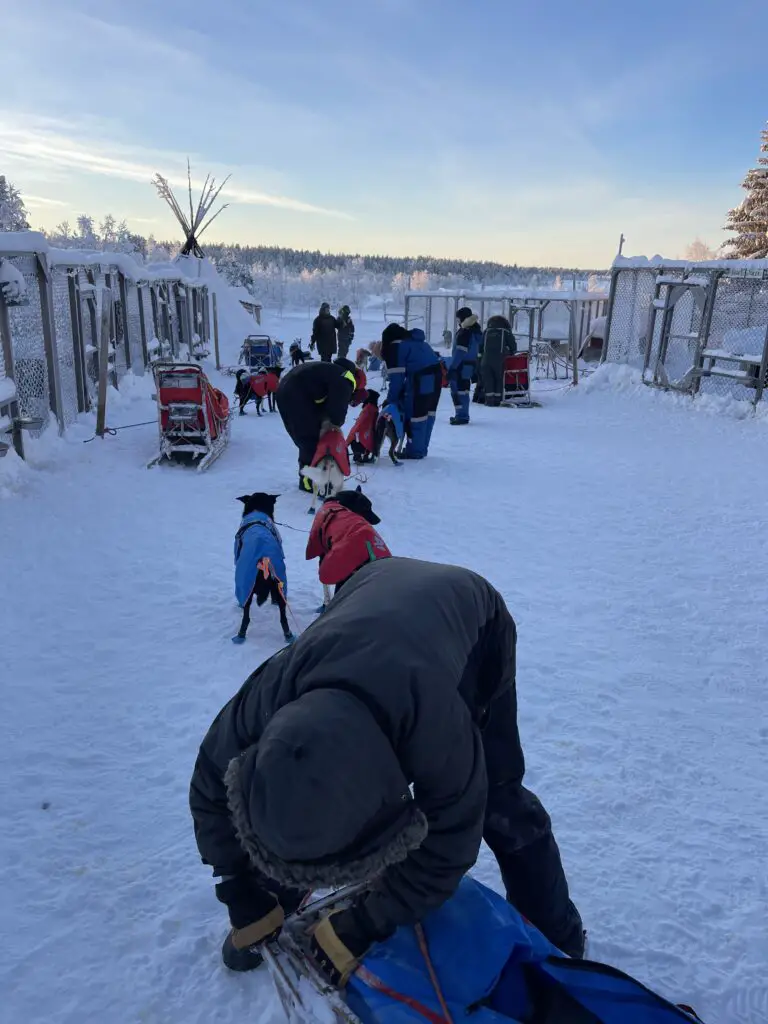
[343, 537]
[367, 435]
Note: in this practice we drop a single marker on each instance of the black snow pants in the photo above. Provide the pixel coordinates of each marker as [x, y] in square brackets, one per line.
[302, 419]
[518, 832]
[492, 374]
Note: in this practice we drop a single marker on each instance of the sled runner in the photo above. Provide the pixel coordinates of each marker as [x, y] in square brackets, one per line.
[192, 416]
[330, 466]
[516, 382]
[474, 956]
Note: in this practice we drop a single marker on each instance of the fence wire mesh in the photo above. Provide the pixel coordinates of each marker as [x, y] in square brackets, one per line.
[59, 324]
[27, 340]
[724, 314]
[65, 343]
[739, 326]
[133, 323]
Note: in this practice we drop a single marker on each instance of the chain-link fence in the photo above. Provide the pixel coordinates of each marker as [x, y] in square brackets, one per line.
[698, 329]
[50, 323]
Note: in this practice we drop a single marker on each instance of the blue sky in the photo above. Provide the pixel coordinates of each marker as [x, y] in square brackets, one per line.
[526, 132]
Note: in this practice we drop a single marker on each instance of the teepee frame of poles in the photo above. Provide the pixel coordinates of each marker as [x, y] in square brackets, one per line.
[196, 223]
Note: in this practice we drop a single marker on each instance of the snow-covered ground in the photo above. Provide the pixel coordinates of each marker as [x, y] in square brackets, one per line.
[627, 533]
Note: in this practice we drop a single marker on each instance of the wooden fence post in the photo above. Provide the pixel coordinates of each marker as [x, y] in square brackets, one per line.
[104, 339]
[216, 331]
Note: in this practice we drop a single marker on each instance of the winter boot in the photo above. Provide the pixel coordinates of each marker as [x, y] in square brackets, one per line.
[456, 422]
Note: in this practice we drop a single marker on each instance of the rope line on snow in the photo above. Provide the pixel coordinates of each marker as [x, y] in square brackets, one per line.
[113, 430]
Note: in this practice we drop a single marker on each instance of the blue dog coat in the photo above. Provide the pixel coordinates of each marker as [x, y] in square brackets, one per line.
[257, 538]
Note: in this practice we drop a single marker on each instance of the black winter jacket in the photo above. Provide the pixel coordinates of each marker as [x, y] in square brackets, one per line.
[312, 392]
[424, 648]
[324, 334]
[346, 329]
[498, 341]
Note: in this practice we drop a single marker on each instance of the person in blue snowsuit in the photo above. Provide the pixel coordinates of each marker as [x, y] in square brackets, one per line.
[415, 379]
[461, 370]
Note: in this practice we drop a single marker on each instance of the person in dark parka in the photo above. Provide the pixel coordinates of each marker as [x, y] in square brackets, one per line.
[345, 329]
[312, 398]
[302, 781]
[463, 362]
[324, 333]
[498, 343]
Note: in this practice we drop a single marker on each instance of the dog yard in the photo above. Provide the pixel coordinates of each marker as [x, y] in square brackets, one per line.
[626, 531]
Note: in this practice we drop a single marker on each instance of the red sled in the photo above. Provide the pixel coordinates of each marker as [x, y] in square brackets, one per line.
[516, 385]
[192, 415]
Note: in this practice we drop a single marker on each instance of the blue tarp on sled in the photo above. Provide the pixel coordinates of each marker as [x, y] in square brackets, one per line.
[496, 967]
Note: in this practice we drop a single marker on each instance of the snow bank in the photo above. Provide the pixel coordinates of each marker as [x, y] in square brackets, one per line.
[234, 323]
[12, 283]
[7, 390]
[15, 474]
[619, 377]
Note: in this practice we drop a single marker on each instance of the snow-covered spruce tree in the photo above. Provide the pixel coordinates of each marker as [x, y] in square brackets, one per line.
[13, 216]
[749, 220]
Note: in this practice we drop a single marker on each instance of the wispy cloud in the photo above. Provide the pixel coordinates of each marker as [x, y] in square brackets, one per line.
[35, 201]
[45, 143]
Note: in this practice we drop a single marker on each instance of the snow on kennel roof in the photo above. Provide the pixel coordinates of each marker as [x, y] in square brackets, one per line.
[22, 242]
[656, 262]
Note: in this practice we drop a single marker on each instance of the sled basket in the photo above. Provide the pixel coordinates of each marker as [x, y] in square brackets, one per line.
[192, 415]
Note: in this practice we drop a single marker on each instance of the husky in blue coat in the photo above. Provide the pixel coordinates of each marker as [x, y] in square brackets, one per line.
[259, 561]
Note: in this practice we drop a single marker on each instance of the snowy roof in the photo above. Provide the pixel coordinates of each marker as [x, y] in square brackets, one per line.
[125, 263]
[242, 294]
[514, 294]
[657, 262]
[22, 241]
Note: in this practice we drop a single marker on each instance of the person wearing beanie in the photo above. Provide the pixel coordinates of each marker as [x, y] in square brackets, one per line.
[345, 329]
[324, 333]
[313, 398]
[381, 747]
[415, 380]
[466, 347]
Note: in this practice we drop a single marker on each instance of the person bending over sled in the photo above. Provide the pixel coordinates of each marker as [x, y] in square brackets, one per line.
[463, 361]
[312, 399]
[303, 780]
[414, 375]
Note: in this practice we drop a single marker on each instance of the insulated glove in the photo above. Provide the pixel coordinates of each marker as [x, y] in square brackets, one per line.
[242, 947]
[255, 915]
[337, 944]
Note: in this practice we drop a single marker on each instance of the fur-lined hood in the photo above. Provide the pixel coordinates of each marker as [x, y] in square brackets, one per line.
[327, 874]
[469, 322]
[321, 800]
